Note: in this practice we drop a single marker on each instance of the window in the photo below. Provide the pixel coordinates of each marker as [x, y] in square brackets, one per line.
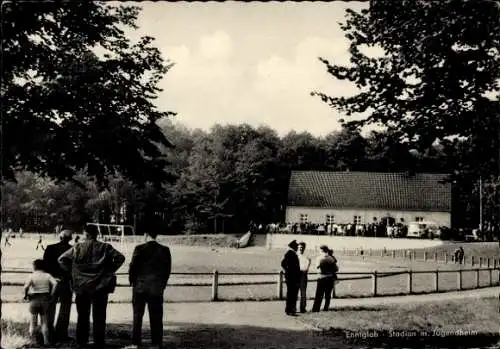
[330, 219]
[357, 219]
[419, 219]
[303, 218]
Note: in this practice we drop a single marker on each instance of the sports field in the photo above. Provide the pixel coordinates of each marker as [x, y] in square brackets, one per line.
[253, 260]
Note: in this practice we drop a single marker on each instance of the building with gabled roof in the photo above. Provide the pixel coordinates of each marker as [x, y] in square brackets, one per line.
[368, 197]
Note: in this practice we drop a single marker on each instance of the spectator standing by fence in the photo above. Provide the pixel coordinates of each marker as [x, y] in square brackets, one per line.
[149, 272]
[39, 289]
[326, 265]
[291, 267]
[461, 255]
[63, 293]
[93, 265]
[305, 263]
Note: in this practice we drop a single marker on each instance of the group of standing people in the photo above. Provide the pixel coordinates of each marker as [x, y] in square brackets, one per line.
[88, 269]
[296, 266]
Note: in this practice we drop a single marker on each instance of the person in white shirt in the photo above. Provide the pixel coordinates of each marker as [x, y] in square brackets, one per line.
[305, 263]
[39, 290]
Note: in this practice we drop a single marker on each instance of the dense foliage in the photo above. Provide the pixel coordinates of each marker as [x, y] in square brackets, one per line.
[77, 94]
[429, 73]
[227, 178]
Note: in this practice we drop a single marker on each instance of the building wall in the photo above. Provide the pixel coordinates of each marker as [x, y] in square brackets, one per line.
[340, 243]
[344, 216]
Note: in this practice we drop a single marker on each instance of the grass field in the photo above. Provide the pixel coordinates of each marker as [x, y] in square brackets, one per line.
[196, 259]
[446, 324]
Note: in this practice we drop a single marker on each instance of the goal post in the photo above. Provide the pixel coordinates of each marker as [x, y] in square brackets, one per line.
[113, 232]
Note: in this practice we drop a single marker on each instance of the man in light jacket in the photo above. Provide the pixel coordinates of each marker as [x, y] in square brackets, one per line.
[327, 269]
[149, 272]
[93, 265]
[304, 262]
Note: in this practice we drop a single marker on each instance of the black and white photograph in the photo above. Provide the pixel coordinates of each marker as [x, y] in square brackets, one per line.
[250, 174]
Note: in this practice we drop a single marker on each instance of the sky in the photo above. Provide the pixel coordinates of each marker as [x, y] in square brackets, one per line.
[253, 63]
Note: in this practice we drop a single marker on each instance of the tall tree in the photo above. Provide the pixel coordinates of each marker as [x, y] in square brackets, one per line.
[345, 150]
[77, 94]
[437, 77]
[302, 151]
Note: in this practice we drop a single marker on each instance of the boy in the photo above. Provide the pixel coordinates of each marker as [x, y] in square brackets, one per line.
[39, 289]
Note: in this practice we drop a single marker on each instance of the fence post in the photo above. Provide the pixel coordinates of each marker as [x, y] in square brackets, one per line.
[334, 292]
[477, 278]
[446, 258]
[480, 262]
[279, 290]
[410, 282]
[490, 275]
[494, 263]
[425, 256]
[436, 280]
[488, 262]
[459, 280]
[215, 285]
[414, 255]
[472, 260]
[374, 283]
[393, 254]
[435, 256]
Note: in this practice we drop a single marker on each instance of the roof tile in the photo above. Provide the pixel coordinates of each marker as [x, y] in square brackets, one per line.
[370, 190]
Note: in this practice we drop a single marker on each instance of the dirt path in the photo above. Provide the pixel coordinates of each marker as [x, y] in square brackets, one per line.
[268, 314]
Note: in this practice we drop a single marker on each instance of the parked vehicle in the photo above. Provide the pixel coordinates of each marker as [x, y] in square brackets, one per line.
[423, 229]
[473, 236]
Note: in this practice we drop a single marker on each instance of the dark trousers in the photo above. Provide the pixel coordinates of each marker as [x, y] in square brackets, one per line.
[64, 296]
[155, 310]
[303, 291]
[99, 302]
[323, 289]
[292, 291]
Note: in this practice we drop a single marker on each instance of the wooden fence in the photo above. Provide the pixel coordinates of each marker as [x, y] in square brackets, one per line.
[374, 276]
[424, 256]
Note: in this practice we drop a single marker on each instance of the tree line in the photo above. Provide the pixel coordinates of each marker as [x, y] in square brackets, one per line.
[228, 177]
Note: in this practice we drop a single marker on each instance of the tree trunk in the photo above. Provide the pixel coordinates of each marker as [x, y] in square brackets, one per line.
[0, 286]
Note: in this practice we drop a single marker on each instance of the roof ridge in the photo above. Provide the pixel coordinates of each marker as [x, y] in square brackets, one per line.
[369, 190]
[368, 172]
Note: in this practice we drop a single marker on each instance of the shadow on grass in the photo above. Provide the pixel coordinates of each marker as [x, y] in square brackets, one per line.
[197, 336]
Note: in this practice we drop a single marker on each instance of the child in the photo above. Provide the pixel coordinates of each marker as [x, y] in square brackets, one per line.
[39, 289]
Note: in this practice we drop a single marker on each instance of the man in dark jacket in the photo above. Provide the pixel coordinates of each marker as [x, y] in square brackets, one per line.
[149, 272]
[93, 265]
[63, 292]
[291, 266]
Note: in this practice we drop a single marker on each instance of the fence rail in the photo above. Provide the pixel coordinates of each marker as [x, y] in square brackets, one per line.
[424, 256]
[374, 276]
